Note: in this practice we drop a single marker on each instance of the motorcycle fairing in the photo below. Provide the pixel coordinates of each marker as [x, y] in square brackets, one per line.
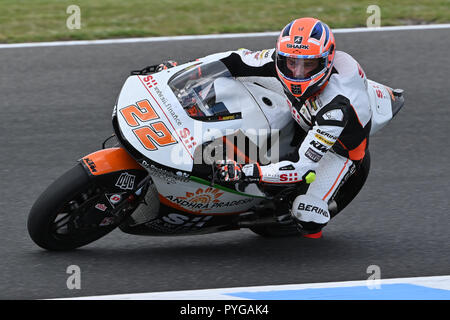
[171, 221]
[187, 132]
[198, 198]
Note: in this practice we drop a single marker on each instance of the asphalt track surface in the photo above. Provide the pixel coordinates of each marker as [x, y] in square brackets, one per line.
[56, 105]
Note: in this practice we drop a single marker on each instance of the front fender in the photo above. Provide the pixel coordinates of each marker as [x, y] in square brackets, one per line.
[109, 160]
[114, 169]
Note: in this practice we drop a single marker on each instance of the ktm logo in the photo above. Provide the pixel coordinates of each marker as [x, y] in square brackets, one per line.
[91, 164]
[319, 146]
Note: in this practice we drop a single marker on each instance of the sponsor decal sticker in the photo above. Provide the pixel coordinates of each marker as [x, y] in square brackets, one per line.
[114, 198]
[167, 176]
[326, 134]
[90, 164]
[289, 177]
[200, 199]
[174, 222]
[298, 39]
[126, 181]
[297, 46]
[296, 115]
[179, 219]
[107, 221]
[334, 115]
[168, 106]
[205, 199]
[318, 146]
[288, 167]
[322, 139]
[101, 207]
[361, 72]
[311, 208]
[149, 81]
[188, 139]
[313, 155]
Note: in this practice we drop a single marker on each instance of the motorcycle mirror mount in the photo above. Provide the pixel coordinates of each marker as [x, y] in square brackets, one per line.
[213, 179]
[106, 140]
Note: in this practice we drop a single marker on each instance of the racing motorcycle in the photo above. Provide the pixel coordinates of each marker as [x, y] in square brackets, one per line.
[158, 176]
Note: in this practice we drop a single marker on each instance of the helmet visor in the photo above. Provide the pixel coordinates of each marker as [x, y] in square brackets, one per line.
[300, 68]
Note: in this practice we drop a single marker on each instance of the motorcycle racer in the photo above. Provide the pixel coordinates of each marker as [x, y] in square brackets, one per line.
[327, 91]
[327, 94]
[177, 130]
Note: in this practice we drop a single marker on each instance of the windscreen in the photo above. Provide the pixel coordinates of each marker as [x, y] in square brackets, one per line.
[195, 88]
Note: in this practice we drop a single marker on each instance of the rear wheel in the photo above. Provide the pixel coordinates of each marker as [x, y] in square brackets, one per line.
[72, 212]
[276, 231]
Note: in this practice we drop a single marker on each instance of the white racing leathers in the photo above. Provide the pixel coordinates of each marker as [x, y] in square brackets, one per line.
[337, 124]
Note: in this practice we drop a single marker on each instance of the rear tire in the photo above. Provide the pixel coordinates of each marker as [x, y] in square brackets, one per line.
[71, 188]
[276, 231]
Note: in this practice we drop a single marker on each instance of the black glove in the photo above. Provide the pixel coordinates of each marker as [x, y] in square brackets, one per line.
[230, 170]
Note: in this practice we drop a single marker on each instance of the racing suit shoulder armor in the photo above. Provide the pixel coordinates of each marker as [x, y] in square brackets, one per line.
[245, 63]
[335, 113]
[349, 81]
[256, 58]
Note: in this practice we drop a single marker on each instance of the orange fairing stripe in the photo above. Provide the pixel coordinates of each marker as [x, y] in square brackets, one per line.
[110, 160]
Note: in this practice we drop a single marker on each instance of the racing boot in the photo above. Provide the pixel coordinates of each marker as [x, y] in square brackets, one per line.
[311, 215]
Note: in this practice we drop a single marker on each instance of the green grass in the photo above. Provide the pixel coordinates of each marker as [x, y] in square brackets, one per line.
[45, 20]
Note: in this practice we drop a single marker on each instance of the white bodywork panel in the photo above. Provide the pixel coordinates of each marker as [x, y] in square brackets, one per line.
[381, 105]
[233, 93]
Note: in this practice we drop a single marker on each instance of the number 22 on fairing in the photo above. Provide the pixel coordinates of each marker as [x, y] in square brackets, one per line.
[156, 132]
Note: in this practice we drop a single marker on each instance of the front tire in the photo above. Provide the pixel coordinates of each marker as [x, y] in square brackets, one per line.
[63, 218]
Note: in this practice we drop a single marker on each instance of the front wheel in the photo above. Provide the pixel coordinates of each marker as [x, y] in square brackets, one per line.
[72, 212]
